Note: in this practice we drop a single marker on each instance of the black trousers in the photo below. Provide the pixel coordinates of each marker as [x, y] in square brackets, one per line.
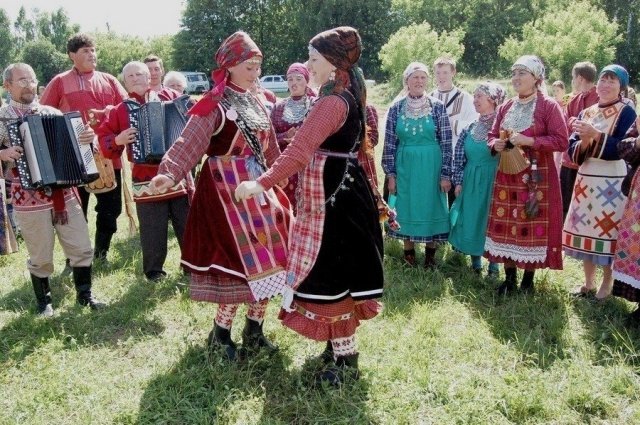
[154, 222]
[108, 209]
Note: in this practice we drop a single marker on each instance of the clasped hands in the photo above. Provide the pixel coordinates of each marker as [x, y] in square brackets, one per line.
[515, 138]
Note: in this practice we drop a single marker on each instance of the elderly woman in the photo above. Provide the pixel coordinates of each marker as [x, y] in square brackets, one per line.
[287, 116]
[175, 80]
[235, 252]
[417, 161]
[591, 227]
[525, 218]
[474, 169]
[335, 267]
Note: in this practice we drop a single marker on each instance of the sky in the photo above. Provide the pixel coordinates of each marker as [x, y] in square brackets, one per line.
[123, 16]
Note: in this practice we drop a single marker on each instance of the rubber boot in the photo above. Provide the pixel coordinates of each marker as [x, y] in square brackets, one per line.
[509, 284]
[253, 339]
[82, 281]
[43, 295]
[220, 340]
[527, 281]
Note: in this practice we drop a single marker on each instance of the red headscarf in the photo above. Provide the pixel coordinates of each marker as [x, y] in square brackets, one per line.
[299, 68]
[237, 48]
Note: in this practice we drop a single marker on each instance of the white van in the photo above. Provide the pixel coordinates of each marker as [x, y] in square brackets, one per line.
[197, 82]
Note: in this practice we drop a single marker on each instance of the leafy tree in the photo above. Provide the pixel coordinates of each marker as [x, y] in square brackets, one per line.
[554, 38]
[24, 29]
[418, 42]
[114, 51]
[6, 39]
[161, 46]
[46, 61]
[56, 27]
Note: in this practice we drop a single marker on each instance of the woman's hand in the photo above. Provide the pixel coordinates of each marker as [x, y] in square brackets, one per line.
[126, 137]
[521, 140]
[10, 154]
[458, 190]
[87, 136]
[248, 189]
[586, 130]
[288, 136]
[445, 185]
[391, 184]
[161, 183]
[499, 145]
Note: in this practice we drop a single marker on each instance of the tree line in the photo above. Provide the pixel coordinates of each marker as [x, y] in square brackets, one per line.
[483, 35]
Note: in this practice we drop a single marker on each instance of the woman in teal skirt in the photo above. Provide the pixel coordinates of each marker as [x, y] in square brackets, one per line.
[474, 170]
[417, 161]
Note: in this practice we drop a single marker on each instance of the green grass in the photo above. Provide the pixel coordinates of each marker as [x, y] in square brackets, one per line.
[446, 350]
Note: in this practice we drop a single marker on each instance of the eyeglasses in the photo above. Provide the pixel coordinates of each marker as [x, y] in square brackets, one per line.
[26, 82]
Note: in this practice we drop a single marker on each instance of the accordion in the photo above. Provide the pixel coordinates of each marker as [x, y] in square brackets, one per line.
[53, 158]
[159, 125]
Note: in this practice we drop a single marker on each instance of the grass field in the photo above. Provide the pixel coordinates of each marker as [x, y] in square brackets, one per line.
[446, 350]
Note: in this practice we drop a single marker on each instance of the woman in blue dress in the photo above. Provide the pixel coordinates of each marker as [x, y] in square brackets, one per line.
[417, 162]
[474, 170]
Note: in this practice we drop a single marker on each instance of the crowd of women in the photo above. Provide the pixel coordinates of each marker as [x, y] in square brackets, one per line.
[287, 201]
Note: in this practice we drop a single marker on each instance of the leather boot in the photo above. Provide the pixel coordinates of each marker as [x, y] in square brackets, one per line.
[345, 369]
[326, 356]
[527, 281]
[103, 242]
[429, 258]
[220, 340]
[82, 281]
[43, 295]
[253, 339]
[509, 284]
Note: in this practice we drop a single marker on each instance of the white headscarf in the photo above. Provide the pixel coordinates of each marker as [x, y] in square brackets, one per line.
[534, 65]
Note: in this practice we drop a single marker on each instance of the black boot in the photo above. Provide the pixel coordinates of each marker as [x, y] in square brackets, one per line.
[43, 295]
[82, 280]
[220, 340]
[103, 242]
[345, 369]
[429, 258]
[509, 284]
[326, 356]
[410, 257]
[527, 281]
[253, 339]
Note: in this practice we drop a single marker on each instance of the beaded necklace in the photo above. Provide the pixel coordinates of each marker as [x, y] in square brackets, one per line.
[520, 115]
[295, 110]
[480, 131]
[412, 111]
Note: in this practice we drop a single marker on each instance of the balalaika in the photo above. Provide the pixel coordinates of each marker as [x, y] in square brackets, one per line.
[159, 125]
[52, 156]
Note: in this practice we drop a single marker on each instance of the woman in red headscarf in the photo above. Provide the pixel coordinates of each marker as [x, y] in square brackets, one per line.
[235, 252]
[288, 115]
[334, 271]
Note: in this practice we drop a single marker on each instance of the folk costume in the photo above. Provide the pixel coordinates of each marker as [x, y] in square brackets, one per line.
[474, 168]
[154, 210]
[41, 217]
[591, 227]
[335, 264]
[84, 91]
[525, 218]
[568, 169]
[417, 152]
[460, 110]
[236, 252]
[626, 269]
[288, 114]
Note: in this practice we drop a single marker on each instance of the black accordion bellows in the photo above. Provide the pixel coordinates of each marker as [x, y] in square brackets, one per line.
[159, 125]
[52, 156]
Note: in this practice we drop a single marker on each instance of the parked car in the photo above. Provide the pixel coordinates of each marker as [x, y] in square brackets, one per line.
[197, 82]
[275, 83]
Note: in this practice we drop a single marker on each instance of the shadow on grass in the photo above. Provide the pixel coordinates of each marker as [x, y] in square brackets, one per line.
[205, 389]
[74, 326]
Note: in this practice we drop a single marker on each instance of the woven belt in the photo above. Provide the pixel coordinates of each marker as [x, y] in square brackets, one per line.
[337, 154]
[323, 319]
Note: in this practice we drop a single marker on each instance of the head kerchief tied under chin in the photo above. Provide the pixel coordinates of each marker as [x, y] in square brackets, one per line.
[237, 48]
[411, 68]
[495, 91]
[531, 63]
[340, 46]
[299, 68]
[618, 71]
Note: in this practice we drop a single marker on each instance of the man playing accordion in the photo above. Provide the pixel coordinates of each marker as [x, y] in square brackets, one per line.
[154, 210]
[39, 214]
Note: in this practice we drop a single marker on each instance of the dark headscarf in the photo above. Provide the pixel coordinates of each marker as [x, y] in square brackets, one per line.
[237, 48]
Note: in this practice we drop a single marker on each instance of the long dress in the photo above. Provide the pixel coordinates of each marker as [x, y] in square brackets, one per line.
[536, 242]
[418, 152]
[236, 252]
[591, 226]
[470, 211]
[336, 250]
